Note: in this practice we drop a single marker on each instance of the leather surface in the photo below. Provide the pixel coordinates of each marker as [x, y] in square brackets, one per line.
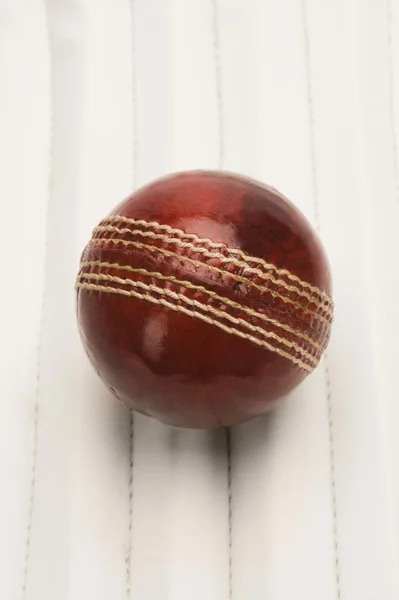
[98, 98]
[155, 335]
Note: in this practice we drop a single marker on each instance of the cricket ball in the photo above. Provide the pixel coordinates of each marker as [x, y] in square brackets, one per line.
[204, 297]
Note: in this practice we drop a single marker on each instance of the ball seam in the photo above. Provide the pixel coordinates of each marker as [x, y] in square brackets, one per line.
[201, 289]
[195, 314]
[220, 245]
[102, 242]
[206, 308]
[221, 258]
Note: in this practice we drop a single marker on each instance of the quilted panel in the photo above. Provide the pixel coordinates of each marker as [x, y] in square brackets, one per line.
[98, 98]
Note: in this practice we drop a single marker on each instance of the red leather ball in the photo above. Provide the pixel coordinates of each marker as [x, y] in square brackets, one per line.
[204, 297]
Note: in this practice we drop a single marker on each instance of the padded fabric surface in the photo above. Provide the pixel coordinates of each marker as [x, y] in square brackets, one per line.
[97, 98]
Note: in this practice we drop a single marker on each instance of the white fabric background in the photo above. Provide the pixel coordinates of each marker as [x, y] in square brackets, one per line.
[99, 97]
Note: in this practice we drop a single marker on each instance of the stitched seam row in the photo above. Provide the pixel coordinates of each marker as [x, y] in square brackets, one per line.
[321, 332]
[206, 308]
[232, 251]
[221, 258]
[100, 242]
[197, 315]
[203, 290]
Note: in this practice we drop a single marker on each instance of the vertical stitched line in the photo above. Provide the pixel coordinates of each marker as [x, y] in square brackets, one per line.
[131, 413]
[392, 99]
[36, 411]
[327, 377]
[130, 527]
[333, 476]
[309, 93]
[219, 102]
[218, 74]
[32, 490]
[230, 509]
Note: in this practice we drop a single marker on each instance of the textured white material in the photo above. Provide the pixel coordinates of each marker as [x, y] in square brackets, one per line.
[97, 98]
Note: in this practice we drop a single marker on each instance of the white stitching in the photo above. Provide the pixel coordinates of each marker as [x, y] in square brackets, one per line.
[197, 315]
[101, 242]
[220, 246]
[207, 308]
[222, 259]
[204, 290]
